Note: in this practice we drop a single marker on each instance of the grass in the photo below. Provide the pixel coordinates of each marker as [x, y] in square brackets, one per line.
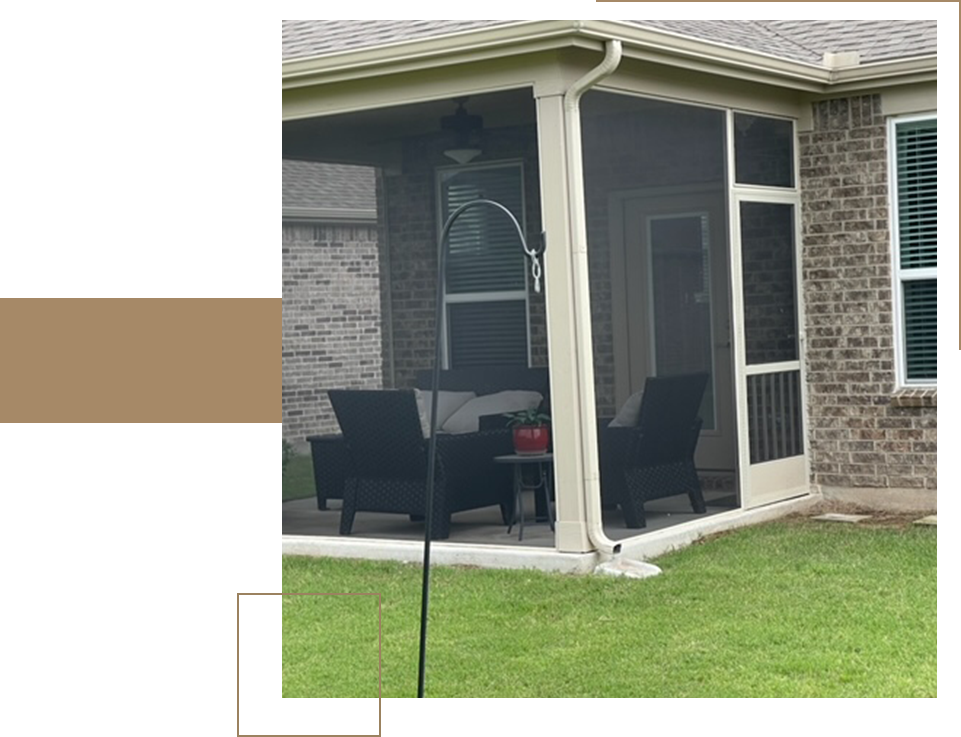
[793, 608]
[329, 636]
[298, 479]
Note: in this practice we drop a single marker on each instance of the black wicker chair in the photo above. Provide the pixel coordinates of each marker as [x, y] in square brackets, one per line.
[387, 466]
[655, 458]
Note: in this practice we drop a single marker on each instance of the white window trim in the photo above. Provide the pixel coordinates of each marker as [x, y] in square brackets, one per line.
[899, 275]
[441, 173]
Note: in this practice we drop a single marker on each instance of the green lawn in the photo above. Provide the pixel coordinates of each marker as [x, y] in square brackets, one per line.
[298, 479]
[793, 608]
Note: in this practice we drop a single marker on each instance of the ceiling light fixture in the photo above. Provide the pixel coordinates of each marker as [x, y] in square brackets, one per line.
[467, 133]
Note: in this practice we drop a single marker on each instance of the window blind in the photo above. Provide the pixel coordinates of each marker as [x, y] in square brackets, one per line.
[486, 290]
[921, 328]
[917, 170]
[487, 333]
[485, 253]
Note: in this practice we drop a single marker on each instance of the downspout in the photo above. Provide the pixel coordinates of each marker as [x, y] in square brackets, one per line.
[581, 279]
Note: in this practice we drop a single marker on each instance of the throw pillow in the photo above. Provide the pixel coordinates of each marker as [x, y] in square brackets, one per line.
[467, 418]
[447, 404]
[628, 414]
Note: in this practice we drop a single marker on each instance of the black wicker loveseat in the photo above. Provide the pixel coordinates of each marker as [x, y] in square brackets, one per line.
[380, 462]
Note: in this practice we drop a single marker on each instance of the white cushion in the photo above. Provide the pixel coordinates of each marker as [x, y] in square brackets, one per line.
[627, 415]
[467, 418]
[447, 404]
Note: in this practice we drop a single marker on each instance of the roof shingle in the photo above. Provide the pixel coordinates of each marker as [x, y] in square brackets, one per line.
[303, 38]
[746, 34]
[877, 40]
[331, 186]
[796, 40]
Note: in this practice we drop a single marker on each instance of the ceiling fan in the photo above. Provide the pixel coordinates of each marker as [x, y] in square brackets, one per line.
[466, 129]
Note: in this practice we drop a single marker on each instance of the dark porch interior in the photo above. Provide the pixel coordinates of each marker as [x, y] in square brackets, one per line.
[659, 288]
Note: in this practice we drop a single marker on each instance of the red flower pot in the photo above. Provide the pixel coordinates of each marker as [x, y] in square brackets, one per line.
[530, 440]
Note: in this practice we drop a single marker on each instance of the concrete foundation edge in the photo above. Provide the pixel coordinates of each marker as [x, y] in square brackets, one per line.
[641, 547]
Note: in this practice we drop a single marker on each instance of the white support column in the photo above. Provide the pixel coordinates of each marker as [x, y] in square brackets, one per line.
[569, 342]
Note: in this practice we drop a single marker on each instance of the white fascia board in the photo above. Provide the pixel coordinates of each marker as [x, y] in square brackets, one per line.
[885, 73]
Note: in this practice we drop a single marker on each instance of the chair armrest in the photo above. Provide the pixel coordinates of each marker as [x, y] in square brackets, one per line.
[473, 448]
[492, 422]
[614, 444]
[466, 463]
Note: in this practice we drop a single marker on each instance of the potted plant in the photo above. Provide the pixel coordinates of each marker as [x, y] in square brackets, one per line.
[532, 431]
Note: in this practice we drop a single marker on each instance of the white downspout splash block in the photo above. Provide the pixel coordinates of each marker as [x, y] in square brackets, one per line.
[628, 568]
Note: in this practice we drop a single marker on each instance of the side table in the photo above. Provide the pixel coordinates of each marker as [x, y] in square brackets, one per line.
[545, 469]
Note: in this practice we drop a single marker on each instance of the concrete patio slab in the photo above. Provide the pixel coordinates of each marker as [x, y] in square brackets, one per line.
[479, 538]
[484, 526]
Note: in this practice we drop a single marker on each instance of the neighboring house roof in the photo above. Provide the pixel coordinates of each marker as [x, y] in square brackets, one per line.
[795, 40]
[313, 191]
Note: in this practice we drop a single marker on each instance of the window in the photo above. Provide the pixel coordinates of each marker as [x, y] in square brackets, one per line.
[763, 151]
[486, 294]
[914, 230]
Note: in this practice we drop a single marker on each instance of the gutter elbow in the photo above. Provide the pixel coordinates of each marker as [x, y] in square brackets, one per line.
[612, 60]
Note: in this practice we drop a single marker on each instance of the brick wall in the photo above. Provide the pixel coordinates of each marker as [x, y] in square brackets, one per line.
[331, 321]
[862, 433]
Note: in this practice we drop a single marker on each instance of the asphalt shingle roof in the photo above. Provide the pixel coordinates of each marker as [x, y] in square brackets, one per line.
[302, 38]
[331, 186]
[877, 40]
[797, 40]
[746, 34]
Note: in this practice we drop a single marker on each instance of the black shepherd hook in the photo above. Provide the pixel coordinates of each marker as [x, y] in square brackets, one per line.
[533, 254]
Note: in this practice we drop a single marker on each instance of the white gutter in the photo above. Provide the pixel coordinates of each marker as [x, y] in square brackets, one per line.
[581, 283]
[897, 71]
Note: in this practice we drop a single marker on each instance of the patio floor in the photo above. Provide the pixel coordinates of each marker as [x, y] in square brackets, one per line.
[301, 517]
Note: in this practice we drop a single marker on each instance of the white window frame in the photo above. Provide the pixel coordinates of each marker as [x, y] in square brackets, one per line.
[898, 275]
[441, 174]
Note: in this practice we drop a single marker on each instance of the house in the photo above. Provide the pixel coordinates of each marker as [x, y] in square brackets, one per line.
[331, 294]
[756, 199]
